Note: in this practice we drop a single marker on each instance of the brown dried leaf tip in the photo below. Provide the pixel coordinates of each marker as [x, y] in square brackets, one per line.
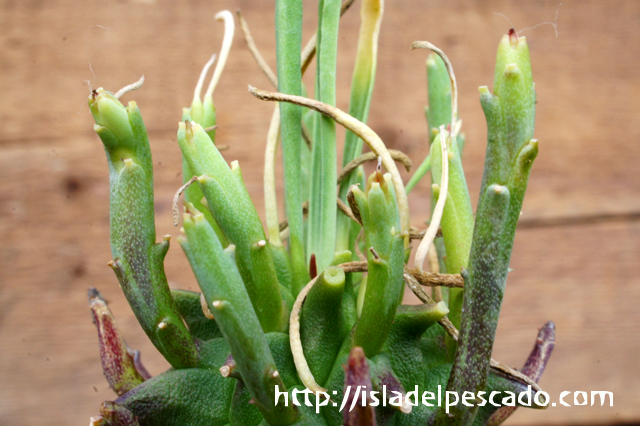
[121, 365]
[313, 267]
[351, 199]
[116, 414]
[357, 385]
[533, 367]
[229, 368]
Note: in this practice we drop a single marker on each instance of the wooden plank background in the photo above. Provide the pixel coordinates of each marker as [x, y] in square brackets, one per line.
[574, 262]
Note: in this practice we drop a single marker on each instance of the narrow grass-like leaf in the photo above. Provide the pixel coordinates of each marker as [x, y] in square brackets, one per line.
[288, 46]
[322, 206]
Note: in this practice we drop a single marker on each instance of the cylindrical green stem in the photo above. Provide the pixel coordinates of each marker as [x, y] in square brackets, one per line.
[385, 258]
[482, 299]
[138, 260]
[510, 115]
[232, 308]
[204, 115]
[456, 223]
[231, 206]
[322, 326]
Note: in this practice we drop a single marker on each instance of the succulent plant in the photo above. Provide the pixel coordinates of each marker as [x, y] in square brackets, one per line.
[311, 310]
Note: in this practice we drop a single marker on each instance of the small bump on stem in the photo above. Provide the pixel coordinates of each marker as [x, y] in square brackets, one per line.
[406, 406]
[229, 368]
[513, 35]
[225, 371]
[96, 421]
[374, 253]
[205, 308]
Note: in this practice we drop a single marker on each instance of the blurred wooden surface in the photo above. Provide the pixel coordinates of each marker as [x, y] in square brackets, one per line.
[580, 271]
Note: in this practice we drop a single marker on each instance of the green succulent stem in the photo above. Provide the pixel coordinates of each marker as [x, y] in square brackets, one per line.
[204, 115]
[231, 206]
[263, 343]
[457, 224]
[322, 324]
[228, 300]
[385, 258]
[457, 216]
[482, 285]
[510, 115]
[138, 260]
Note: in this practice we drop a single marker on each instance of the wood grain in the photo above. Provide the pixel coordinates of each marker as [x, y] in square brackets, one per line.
[54, 192]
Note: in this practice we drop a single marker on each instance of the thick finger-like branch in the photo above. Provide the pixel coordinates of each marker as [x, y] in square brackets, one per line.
[453, 332]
